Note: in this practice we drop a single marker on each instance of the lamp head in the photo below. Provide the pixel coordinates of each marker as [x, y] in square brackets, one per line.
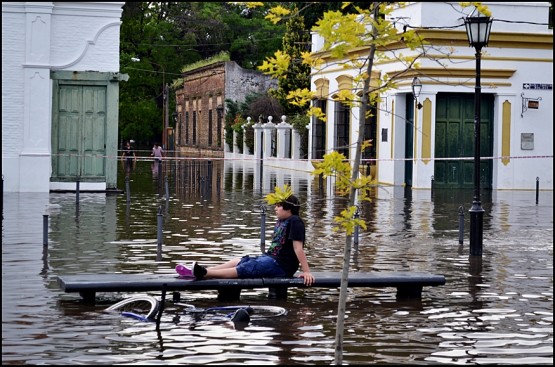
[478, 30]
[416, 87]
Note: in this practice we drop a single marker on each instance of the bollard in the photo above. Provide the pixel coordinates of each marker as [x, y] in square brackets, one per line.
[162, 305]
[167, 189]
[461, 225]
[159, 229]
[127, 189]
[77, 190]
[45, 228]
[537, 189]
[262, 229]
[355, 236]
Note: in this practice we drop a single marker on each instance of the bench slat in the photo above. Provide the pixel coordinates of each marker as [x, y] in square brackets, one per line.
[88, 284]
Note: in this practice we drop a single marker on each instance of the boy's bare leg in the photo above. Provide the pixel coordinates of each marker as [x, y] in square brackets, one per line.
[228, 273]
[227, 265]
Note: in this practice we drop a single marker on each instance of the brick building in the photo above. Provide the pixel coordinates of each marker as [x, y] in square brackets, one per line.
[200, 105]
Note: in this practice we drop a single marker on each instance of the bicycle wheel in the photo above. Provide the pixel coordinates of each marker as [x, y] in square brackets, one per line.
[255, 312]
[139, 307]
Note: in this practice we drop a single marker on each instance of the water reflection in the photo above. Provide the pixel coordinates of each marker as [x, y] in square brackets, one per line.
[494, 309]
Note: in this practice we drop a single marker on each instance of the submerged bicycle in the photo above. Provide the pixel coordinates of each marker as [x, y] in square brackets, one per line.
[147, 308]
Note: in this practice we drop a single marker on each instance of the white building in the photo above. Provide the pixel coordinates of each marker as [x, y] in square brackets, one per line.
[60, 87]
[517, 103]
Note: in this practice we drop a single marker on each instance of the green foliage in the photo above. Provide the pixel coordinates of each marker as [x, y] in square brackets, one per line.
[299, 123]
[165, 36]
[347, 221]
[295, 41]
[222, 56]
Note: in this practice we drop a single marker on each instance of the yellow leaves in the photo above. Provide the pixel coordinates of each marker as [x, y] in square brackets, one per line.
[279, 195]
[346, 96]
[317, 112]
[277, 13]
[366, 144]
[482, 9]
[347, 220]
[308, 59]
[333, 163]
[364, 184]
[253, 4]
[300, 97]
[276, 66]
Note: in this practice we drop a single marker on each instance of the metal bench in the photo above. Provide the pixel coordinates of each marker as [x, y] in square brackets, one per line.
[408, 284]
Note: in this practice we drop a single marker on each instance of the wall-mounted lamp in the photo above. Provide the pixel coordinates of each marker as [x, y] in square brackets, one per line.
[416, 89]
[384, 101]
[529, 103]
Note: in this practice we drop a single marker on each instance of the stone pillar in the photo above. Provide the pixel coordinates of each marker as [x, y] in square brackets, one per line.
[295, 144]
[283, 138]
[245, 128]
[234, 148]
[258, 136]
[269, 128]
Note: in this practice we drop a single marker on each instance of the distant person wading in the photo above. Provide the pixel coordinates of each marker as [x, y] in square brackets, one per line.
[157, 152]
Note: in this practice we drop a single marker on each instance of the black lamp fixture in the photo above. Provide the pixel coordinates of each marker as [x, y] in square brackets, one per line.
[416, 89]
[478, 30]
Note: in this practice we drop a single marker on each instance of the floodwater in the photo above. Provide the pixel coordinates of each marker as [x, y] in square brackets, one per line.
[494, 309]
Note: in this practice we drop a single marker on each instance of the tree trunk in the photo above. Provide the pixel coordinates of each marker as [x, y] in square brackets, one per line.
[341, 308]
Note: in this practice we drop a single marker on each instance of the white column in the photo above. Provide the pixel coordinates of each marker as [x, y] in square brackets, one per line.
[295, 144]
[283, 137]
[245, 127]
[269, 128]
[258, 142]
[235, 149]
[35, 163]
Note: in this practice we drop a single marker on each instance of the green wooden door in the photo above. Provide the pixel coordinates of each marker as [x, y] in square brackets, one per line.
[80, 133]
[454, 138]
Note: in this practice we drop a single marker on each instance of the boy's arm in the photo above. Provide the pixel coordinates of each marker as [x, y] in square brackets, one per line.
[299, 251]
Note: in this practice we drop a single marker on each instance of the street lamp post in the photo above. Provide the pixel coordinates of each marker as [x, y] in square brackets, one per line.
[478, 30]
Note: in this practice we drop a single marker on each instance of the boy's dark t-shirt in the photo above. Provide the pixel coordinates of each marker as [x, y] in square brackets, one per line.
[281, 249]
[128, 152]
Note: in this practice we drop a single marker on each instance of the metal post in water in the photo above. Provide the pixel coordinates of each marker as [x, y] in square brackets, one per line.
[461, 225]
[162, 305]
[127, 189]
[432, 186]
[167, 188]
[355, 236]
[77, 190]
[262, 229]
[159, 229]
[537, 189]
[45, 228]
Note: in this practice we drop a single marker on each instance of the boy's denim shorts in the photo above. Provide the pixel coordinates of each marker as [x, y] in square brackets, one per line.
[259, 266]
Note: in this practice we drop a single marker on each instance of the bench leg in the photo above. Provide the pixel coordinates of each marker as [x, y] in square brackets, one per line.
[229, 294]
[409, 291]
[277, 293]
[88, 296]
